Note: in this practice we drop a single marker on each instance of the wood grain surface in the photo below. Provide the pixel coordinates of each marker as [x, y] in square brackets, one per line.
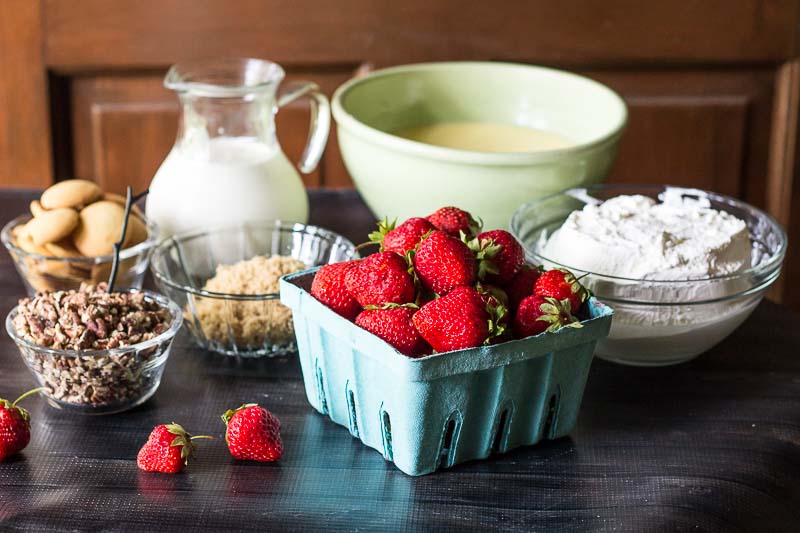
[711, 445]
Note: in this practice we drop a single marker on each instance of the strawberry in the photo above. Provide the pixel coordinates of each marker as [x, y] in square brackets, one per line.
[167, 450]
[15, 426]
[329, 288]
[456, 321]
[402, 238]
[537, 314]
[500, 255]
[561, 285]
[453, 221]
[521, 285]
[381, 278]
[393, 324]
[443, 262]
[253, 433]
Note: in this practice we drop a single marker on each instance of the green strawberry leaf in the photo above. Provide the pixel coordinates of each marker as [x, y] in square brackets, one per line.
[476, 225]
[227, 415]
[409, 257]
[496, 292]
[484, 250]
[557, 314]
[550, 309]
[384, 227]
[497, 313]
[26, 416]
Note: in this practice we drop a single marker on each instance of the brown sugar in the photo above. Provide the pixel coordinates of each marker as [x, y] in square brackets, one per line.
[249, 322]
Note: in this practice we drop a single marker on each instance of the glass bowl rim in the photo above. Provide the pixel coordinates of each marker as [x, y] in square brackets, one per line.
[281, 225]
[755, 290]
[127, 253]
[175, 324]
[774, 262]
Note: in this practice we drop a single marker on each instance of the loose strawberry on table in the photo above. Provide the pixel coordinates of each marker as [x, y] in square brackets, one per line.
[443, 262]
[454, 221]
[15, 426]
[253, 433]
[394, 325]
[537, 314]
[167, 450]
[329, 288]
[561, 284]
[381, 278]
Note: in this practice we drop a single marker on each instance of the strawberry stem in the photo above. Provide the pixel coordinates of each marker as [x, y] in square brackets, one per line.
[365, 244]
[195, 437]
[390, 305]
[29, 393]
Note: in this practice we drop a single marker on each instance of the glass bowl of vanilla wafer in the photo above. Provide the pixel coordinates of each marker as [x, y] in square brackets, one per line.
[68, 238]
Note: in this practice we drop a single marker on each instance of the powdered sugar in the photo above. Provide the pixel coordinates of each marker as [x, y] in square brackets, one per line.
[636, 237]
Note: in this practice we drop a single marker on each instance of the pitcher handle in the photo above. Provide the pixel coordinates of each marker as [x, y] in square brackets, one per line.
[320, 120]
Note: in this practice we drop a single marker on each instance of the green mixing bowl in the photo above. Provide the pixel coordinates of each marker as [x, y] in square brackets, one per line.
[400, 178]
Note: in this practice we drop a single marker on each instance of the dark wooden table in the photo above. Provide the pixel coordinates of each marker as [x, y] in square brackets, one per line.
[712, 445]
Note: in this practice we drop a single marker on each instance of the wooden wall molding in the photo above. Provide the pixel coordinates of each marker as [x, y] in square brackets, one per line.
[782, 162]
[783, 173]
[138, 33]
[25, 150]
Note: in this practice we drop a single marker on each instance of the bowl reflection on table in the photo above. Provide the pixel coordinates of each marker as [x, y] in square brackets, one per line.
[390, 171]
[662, 322]
[184, 263]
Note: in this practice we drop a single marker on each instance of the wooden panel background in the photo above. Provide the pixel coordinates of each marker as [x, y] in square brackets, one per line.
[696, 135]
[711, 84]
[578, 32]
[24, 130]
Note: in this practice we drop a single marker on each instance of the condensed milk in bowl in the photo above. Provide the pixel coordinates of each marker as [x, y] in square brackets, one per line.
[479, 135]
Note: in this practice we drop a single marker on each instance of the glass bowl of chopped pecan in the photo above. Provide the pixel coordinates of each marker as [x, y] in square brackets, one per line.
[93, 351]
[226, 281]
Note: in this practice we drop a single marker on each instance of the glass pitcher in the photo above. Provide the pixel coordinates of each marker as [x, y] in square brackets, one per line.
[227, 166]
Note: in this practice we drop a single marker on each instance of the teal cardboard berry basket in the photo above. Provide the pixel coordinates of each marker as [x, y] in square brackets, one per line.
[433, 412]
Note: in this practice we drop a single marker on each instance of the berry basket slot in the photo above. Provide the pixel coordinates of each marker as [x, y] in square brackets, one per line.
[444, 409]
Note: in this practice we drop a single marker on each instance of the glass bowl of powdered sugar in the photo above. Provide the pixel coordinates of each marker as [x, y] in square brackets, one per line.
[682, 268]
